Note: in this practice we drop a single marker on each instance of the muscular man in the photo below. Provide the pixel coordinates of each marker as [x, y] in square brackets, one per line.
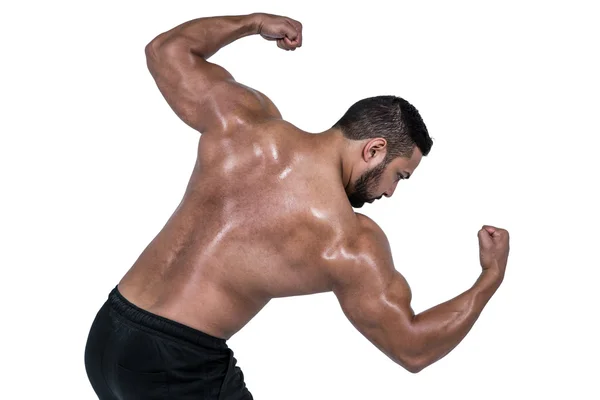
[268, 213]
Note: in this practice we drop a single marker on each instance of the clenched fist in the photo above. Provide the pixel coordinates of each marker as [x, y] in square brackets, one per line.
[286, 31]
[493, 249]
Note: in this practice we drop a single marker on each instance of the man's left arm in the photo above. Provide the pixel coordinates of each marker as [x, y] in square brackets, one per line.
[203, 94]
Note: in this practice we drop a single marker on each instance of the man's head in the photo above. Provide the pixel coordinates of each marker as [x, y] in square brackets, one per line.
[392, 140]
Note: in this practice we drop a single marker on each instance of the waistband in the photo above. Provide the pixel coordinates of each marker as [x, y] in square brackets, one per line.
[161, 324]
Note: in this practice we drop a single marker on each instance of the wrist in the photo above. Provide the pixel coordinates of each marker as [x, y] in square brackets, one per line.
[491, 278]
[254, 22]
[485, 287]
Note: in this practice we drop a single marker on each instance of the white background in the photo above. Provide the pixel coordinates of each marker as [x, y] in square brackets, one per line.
[93, 163]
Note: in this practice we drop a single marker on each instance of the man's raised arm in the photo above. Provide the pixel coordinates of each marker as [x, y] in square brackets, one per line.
[376, 299]
[204, 95]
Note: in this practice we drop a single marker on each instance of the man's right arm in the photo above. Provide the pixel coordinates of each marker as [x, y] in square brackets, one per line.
[376, 299]
[203, 94]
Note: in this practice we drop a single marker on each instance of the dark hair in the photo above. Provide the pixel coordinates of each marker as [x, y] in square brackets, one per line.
[389, 117]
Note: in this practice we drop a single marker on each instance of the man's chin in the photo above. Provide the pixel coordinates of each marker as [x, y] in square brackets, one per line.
[357, 204]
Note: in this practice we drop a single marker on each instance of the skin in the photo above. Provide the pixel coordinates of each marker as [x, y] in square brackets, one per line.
[268, 211]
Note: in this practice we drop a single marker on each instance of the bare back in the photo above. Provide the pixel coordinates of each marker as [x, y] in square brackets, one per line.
[263, 215]
[266, 214]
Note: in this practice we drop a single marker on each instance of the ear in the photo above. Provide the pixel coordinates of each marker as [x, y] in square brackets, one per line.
[375, 149]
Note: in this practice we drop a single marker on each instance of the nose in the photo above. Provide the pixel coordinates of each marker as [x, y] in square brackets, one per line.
[390, 192]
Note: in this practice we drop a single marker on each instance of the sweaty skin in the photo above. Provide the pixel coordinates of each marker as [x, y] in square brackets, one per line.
[263, 216]
[268, 211]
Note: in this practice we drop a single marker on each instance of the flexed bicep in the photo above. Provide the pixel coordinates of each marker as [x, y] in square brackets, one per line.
[375, 296]
[203, 94]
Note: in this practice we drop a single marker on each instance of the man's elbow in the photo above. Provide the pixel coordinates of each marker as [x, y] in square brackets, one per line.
[410, 364]
[413, 362]
[151, 50]
[159, 45]
[154, 47]
[415, 367]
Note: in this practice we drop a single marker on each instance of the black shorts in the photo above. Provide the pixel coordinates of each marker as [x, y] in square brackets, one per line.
[134, 354]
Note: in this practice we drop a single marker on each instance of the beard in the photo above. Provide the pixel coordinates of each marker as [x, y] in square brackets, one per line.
[365, 186]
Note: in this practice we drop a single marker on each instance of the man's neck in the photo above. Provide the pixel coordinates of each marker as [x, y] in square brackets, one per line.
[340, 150]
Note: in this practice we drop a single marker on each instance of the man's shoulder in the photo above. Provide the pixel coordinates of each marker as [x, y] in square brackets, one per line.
[363, 236]
[365, 255]
[367, 226]
[371, 239]
[364, 220]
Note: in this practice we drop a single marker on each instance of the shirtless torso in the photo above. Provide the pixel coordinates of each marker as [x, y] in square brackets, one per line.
[262, 217]
[266, 213]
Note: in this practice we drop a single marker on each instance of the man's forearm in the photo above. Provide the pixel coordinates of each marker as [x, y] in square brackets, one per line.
[441, 328]
[207, 35]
